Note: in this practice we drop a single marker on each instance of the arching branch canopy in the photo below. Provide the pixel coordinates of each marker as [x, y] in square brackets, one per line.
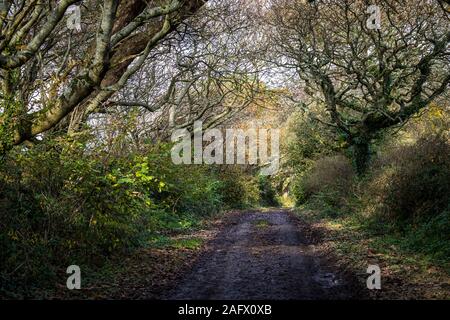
[58, 69]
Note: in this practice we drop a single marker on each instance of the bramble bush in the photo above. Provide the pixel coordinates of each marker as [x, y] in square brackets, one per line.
[412, 183]
[329, 178]
[65, 201]
[267, 192]
[408, 192]
[239, 188]
[405, 192]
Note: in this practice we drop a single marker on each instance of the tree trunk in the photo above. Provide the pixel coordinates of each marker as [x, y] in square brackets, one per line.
[361, 156]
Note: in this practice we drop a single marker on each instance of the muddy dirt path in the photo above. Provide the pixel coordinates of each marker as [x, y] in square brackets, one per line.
[261, 255]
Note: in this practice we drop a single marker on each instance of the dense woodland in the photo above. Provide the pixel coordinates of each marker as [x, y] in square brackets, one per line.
[87, 114]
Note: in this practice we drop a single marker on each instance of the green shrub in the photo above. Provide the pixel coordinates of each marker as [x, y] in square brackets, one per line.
[267, 193]
[66, 202]
[59, 205]
[330, 178]
[411, 184]
[239, 189]
[433, 237]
